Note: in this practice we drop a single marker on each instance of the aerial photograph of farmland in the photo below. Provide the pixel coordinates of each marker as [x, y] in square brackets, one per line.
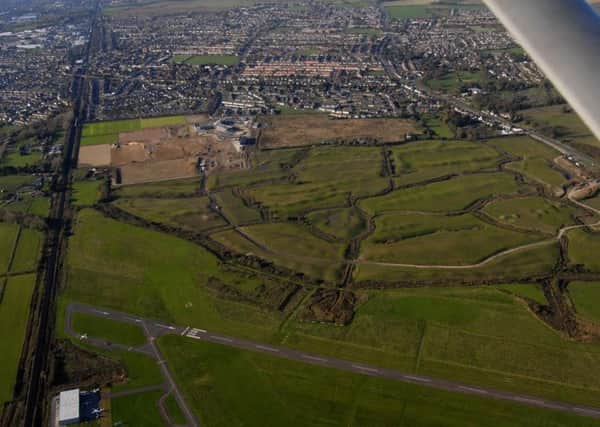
[302, 213]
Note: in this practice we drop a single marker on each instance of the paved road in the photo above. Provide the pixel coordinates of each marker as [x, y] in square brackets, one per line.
[156, 329]
[152, 330]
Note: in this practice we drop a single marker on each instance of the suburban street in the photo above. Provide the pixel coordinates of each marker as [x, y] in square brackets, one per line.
[154, 329]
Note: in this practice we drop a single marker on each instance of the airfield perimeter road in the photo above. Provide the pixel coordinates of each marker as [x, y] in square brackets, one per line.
[154, 329]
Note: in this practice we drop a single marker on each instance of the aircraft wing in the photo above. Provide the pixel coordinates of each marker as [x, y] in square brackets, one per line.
[563, 38]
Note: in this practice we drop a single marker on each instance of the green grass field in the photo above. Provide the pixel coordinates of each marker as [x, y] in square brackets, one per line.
[174, 411]
[445, 196]
[86, 193]
[344, 223]
[206, 59]
[423, 160]
[325, 178]
[8, 234]
[532, 213]
[438, 240]
[230, 387]
[529, 291]
[476, 335]
[585, 297]
[568, 125]
[28, 251]
[11, 183]
[234, 208]
[138, 409]
[582, 249]
[530, 263]
[108, 132]
[191, 213]
[14, 314]
[291, 246]
[453, 81]
[535, 159]
[116, 332]
[153, 274]
[175, 188]
[15, 159]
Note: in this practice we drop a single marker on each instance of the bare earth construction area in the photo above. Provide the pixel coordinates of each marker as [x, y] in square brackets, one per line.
[170, 151]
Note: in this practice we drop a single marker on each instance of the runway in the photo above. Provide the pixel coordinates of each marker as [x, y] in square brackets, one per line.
[156, 329]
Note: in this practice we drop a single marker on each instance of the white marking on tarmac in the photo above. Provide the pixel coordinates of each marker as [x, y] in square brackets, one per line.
[586, 411]
[318, 359]
[410, 377]
[472, 389]
[364, 368]
[165, 326]
[185, 330]
[262, 347]
[133, 319]
[221, 338]
[104, 313]
[528, 400]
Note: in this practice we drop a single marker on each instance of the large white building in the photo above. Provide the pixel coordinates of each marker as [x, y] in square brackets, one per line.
[68, 407]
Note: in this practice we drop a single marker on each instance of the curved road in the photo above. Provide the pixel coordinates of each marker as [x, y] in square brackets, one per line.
[155, 329]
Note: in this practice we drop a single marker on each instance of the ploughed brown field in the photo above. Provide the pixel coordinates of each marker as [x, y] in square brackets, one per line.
[309, 129]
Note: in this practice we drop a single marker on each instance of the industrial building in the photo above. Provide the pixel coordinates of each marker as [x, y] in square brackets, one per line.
[68, 407]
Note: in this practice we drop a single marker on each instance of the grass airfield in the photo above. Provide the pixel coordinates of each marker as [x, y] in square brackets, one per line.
[415, 232]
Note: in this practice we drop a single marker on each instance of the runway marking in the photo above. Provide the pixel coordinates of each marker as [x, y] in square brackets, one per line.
[195, 331]
[134, 319]
[318, 359]
[365, 368]
[172, 328]
[586, 411]
[262, 347]
[104, 313]
[528, 400]
[221, 338]
[187, 328]
[410, 377]
[472, 389]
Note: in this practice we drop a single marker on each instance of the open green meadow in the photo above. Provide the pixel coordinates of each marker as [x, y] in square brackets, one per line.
[583, 246]
[176, 188]
[191, 213]
[438, 240]
[86, 193]
[341, 223]
[585, 297]
[452, 82]
[535, 160]
[27, 251]
[476, 335]
[414, 163]
[446, 196]
[153, 274]
[137, 410]
[14, 314]
[567, 124]
[230, 387]
[108, 132]
[262, 253]
[8, 235]
[11, 183]
[532, 213]
[530, 291]
[206, 59]
[116, 332]
[234, 208]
